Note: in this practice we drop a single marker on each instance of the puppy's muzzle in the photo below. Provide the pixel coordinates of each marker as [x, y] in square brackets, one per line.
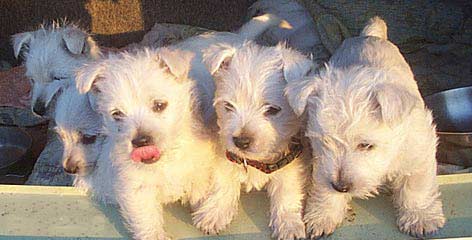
[39, 108]
[141, 141]
[242, 142]
[341, 186]
[144, 150]
[70, 167]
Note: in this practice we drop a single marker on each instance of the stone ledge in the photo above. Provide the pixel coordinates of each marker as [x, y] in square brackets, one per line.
[36, 212]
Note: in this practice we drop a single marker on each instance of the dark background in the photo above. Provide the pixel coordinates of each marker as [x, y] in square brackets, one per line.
[117, 23]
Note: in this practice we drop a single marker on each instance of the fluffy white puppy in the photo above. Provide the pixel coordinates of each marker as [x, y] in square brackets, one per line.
[160, 148]
[260, 131]
[52, 54]
[368, 126]
[85, 152]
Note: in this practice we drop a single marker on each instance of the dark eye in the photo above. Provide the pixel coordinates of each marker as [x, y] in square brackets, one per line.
[32, 81]
[87, 139]
[57, 78]
[117, 115]
[365, 146]
[159, 106]
[272, 110]
[229, 107]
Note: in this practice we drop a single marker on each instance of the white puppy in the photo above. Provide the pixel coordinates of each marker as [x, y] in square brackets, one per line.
[160, 148]
[260, 131]
[368, 126]
[80, 129]
[302, 35]
[52, 53]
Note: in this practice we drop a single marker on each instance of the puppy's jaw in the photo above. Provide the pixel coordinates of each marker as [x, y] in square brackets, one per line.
[75, 157]
[360, 186]
[267, 153]
[84, 168]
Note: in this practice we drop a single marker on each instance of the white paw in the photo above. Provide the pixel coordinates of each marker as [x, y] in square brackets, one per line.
[289, 226]
[421, 223]
[319, 226]
[214, 221]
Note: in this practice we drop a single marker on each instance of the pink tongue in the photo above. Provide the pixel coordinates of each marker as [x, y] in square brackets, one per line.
[146, 153]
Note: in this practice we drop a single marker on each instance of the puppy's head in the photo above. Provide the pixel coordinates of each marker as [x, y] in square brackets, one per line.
[356, 121]
[80, 129]
[144, 98]
[52, 53]
[254, 117]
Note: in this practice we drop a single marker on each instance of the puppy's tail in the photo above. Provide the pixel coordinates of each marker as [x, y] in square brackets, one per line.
[258, 25]
[376, 27]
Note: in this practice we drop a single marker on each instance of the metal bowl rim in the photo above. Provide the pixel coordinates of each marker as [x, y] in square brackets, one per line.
[442, 93]
[20, 129]
[28, 146]
[447, 91]
[454, 133]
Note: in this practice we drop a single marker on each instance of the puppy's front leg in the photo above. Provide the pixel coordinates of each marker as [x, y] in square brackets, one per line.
[416, 198]
[325, 209]
[142, 211]
[218, 209]
[285, 191]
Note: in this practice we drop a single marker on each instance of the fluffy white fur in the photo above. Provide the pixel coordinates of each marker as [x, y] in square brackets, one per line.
[52, 54]
[368, 126]
[302, 35]
[80, 129]
[252, 79]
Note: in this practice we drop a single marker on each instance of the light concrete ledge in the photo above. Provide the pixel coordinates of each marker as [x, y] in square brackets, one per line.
[38, 212]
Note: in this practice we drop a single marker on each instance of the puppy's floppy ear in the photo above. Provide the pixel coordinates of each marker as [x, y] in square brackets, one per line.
[86, 79]
[88, 75]
[393, 102]
[218, 57]
[19, 40]
[177, 62]
[297, 93]
[295, 65]
[79, 42]
[92, 99]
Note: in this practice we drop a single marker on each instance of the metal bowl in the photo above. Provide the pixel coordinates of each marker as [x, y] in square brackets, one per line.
[452, 111]
[15, 144]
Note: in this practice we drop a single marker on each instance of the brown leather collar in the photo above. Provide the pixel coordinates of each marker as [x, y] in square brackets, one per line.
[295, 150]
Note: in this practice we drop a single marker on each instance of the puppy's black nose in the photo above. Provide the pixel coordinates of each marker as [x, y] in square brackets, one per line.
[242, 142]
[39, 108]
[341, 186]
[71, 168]
[141, 141]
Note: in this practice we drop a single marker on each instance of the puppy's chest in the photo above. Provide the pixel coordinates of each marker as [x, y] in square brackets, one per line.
[183, 185]
[252, 178]
[171, 191]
